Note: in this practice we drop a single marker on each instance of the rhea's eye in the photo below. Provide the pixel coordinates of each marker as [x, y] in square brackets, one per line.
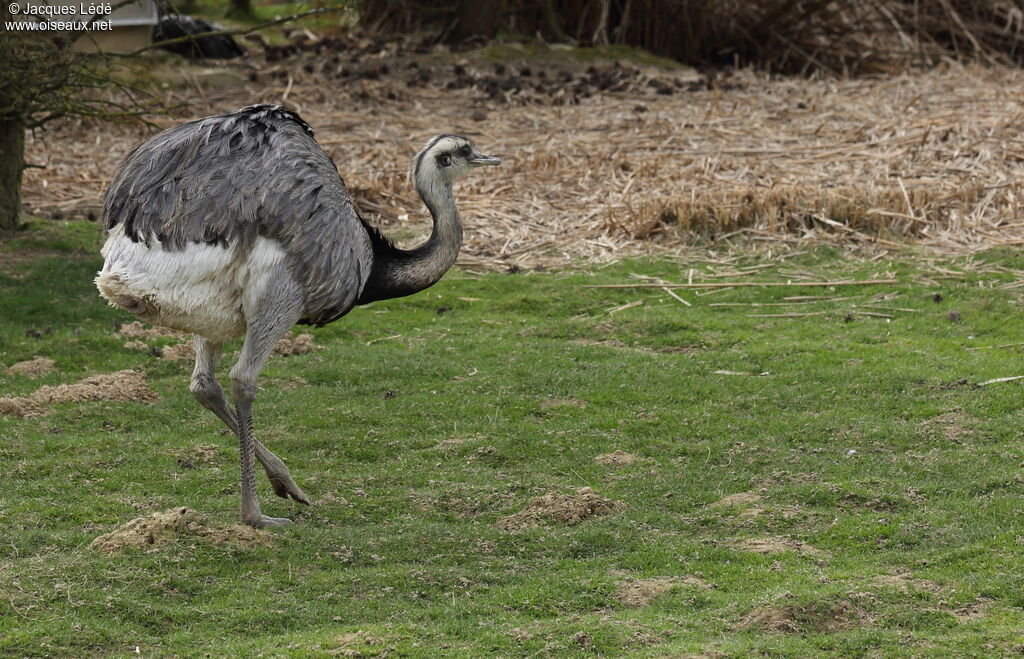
[446, 160]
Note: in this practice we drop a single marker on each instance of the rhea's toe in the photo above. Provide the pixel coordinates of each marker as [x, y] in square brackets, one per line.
[285, 487]
[263, 521]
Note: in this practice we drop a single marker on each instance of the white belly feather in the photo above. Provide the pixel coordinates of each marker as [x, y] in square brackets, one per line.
[205, 289]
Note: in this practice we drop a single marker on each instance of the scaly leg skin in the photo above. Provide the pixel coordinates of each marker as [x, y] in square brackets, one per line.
[271, 308]
[208, 392]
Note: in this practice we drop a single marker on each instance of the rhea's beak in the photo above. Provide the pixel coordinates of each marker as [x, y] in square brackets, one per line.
[479, 160]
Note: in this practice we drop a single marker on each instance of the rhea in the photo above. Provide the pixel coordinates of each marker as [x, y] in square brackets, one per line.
[240, 225]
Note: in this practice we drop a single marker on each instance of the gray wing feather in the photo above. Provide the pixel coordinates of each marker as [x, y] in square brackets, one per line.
[229, 179]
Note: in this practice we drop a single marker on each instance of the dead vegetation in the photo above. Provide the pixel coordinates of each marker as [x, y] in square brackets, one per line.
[932, 157]
[565, 509]
[119, 386]
[173, 525]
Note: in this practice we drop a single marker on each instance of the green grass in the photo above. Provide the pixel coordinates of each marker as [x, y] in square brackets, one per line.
[894, 480]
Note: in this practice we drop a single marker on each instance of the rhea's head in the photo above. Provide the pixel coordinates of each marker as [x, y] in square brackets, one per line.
[446, 158]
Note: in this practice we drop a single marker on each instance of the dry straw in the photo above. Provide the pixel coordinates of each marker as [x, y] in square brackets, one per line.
[934, 157]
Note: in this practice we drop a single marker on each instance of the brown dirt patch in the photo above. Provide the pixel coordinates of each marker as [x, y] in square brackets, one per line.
[738, 499]
[136, 330]
[827, 615]
[199, 454]
[904, 582]
[179, 352]
[641, 592]
[177, 523]
[32, 368]
[119, 386]
[289, 345]
[779, 545]
[616, 459]
[567, 509]
[135, 344]
[359, 643]
[952, 426]
[974, 610]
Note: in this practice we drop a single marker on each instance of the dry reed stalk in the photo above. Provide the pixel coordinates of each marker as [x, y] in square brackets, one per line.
[935, 158]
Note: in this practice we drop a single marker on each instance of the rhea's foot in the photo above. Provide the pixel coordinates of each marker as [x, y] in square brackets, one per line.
[263, 521]
[285, 487]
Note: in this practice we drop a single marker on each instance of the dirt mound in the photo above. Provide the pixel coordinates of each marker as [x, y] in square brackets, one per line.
[738, 499]
[976, 609]
[826, 615]
[32, 368]
[136, 330]
[567, 509]
[289, 345]
[904, 582]
[779, 545]
[616, 458]
[119, 386]
[952, 426]
[170, 525]
[179, 352]
[641, 592]
[135, 344]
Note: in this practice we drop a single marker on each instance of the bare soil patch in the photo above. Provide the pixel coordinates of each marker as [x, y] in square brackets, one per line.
[360, 643]
[179, 352]
[827, 615]
[32, 368]
[289, 345]
[566, 509]
[119, 386]
[952, 426]
[738, 499]
[136, 330]
[177, 524]
[616, 458]
[779, 545]
[641, 592]
[903, 581]
[976, 609]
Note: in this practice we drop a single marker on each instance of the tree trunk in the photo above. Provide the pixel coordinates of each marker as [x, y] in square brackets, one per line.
[12, 161]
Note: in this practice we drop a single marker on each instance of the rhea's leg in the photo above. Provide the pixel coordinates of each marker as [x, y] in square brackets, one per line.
[207, 390]
[268, 317]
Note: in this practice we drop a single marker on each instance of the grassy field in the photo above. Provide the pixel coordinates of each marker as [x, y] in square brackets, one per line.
[832, 484]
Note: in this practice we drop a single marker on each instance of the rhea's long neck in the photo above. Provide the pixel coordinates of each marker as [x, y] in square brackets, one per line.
[398, 272]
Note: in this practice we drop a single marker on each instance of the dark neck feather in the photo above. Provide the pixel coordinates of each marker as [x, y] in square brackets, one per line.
[398, 272]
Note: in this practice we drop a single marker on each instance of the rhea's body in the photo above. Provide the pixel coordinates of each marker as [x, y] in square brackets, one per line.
[240, 225]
